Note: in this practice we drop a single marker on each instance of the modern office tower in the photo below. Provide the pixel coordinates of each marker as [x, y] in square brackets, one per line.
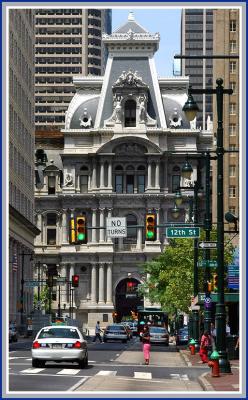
[21, 161]
[68, 42]
[197, 39]
[226, 41]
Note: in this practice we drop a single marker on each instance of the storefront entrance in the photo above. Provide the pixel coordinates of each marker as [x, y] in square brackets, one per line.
[127, 299]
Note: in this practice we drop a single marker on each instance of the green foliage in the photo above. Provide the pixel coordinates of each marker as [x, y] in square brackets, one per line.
[44, 299]
[171, 275]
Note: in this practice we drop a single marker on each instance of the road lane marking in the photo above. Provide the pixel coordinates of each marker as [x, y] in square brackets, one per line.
[54, 375]
[107, 373]
[16, 358]
[68, 371]
[74, 387]
[184, 377]
[32, 370]
[143, 375]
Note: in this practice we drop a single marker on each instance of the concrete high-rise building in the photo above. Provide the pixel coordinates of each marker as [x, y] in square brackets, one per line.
[22, 230]
[197, 39]
[226, 41]
[68, 42]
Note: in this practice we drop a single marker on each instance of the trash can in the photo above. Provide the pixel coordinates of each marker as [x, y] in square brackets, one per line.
[231, 341]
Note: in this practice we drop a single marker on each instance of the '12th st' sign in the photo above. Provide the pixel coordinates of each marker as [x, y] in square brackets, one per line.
[181, 232]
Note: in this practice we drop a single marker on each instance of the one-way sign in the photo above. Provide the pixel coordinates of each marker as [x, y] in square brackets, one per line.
[207, 245]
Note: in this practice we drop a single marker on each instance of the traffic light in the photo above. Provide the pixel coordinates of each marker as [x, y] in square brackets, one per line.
[130, 286]
[209, 286]
[81, 230]
[215, 282]
[75, 280]
[150, 227]
[72, 231]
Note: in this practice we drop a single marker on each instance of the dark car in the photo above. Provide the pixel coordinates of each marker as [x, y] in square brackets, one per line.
[182, 336]
[159, 335]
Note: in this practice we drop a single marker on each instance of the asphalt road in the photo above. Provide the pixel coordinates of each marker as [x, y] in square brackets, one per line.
[113, 359]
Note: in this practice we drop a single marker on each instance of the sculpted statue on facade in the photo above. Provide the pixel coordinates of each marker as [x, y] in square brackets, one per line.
[68, 179]
[142, 109]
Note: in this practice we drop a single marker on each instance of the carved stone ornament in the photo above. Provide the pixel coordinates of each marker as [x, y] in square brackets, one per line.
[128, 79]
[130, 149]
[85, 119]
[188, 183]
[68, 179]
[175, 120]
[117, 115]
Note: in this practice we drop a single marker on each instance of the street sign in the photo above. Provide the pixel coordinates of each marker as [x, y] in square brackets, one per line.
[207, 263]
[207, 245]
[30, 284]
[181, 232]
[116, 227]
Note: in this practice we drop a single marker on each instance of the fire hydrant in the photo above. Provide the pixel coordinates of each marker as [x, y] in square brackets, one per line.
[214, 364]
[192, 347]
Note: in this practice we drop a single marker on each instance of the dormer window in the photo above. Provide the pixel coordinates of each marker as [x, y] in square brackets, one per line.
[130, 113]
[51, 184]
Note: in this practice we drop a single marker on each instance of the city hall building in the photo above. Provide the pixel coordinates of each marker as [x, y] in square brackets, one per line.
[125, 142]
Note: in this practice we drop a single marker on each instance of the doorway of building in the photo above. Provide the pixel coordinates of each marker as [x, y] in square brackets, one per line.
[127, 299]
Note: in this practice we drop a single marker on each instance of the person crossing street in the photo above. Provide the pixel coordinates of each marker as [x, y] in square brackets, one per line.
[98, 332]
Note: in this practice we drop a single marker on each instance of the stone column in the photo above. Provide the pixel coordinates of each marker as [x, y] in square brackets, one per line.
[93, 181]
[157, 229]
[109, 284]
[93, 283]
[149, 181]
[109, 240]
[101, 174]
[110, 175]
[135, 183]
[139, 239]
[93, 234]
[157, 175]
[101, 283]
[165, 212]
[64, 227]
[63, 299]
[102, 224]
[39, 226]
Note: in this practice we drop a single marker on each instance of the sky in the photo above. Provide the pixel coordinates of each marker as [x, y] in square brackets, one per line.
[167, 22]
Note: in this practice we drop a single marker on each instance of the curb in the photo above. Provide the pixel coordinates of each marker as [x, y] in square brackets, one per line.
[185, 358]
[204, 383]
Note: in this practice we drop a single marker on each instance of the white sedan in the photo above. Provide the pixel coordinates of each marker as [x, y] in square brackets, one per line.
[59, 344]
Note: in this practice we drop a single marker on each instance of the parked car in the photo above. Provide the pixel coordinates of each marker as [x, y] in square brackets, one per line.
[159, 335]
[182, 336]
[60, 344]
[13, 334]
[115, 332]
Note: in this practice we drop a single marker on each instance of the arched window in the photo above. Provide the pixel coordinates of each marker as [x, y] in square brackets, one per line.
[130, 113]
[119, 179]
[131, 231]
[176, 178]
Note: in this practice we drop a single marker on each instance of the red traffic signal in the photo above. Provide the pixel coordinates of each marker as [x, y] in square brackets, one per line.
[81, 236]
[150, 227]
[75, 280]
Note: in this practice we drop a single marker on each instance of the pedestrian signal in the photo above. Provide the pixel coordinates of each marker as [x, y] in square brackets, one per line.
[75, 280]
[150, 227]
[215, 282]
[81, 230]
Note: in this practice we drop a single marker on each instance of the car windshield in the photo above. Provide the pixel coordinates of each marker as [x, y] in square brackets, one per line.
[115, 328]
[64, 333]
[158, 330]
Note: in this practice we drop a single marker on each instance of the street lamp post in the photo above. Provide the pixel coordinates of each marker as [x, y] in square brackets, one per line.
[191, 109]
[22, 287]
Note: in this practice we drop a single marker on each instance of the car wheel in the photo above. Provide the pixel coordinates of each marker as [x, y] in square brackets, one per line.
[42, 364]
[35, 363]
[86, 361]
[82, 364]
[105, 340]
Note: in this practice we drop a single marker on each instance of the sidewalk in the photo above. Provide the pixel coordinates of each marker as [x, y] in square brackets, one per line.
[226, 382]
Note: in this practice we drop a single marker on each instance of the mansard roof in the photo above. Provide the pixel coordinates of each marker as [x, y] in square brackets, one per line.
[131, 25]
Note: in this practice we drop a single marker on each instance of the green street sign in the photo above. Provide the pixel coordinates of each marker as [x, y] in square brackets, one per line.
[181, 232]
[207, 263]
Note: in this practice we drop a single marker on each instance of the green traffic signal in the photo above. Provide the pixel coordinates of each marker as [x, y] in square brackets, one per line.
[81, 236]
[150, 234]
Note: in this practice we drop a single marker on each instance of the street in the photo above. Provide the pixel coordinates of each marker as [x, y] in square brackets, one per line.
[124, 363]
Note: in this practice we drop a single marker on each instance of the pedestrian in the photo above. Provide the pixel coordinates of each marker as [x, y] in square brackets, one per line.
[228, 329]
[205, 343]
[98, 332]
[146, 344]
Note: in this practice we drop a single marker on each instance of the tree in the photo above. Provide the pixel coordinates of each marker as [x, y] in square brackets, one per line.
[44, 299]
[171, 275]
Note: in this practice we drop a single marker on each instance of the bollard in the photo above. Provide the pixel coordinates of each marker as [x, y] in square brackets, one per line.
[192, 347]
[214, 364]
